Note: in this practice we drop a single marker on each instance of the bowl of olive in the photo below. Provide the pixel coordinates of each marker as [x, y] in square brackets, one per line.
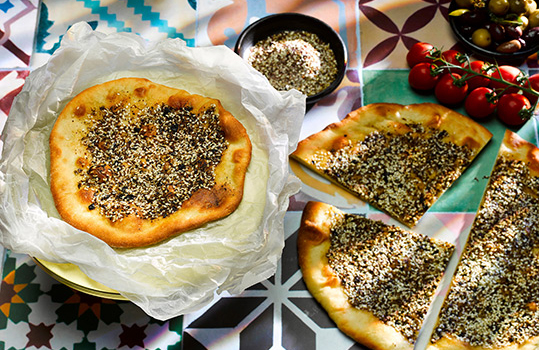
[501, 30]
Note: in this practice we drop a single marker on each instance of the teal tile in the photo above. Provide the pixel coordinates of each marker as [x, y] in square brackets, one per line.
[391, 86]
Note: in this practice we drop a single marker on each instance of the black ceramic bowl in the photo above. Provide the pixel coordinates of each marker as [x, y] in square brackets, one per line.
[273, 24]
[487, 54]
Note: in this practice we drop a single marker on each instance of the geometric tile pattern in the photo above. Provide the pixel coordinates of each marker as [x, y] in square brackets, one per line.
[37, 312]
[17, 30]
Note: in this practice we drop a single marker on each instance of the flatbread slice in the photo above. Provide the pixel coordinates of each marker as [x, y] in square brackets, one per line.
[398, 158]
[375, 281]
[493, 301]
[134, 162]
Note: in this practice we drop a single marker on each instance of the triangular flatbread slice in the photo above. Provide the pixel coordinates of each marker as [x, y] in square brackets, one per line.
[376, 281]
[398, 158]
[493, 302]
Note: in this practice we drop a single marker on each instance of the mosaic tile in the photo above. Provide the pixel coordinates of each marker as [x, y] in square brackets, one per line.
[17, 29]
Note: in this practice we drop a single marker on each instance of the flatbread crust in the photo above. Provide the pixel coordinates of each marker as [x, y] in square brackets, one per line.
[361, 324]
[349, 149]
[70, 159]
[498, 273]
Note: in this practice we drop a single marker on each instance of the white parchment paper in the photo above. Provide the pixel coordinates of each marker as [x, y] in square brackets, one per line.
[182, 274]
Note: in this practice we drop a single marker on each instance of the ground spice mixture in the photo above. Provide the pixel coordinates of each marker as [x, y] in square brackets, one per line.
[147, 161]
[295, 60]
[402, 174]
[494, 297]
[391, 272]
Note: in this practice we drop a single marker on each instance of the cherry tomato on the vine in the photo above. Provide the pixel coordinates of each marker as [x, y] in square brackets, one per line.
[533, 84]
[454, 57]
[421, 76]
[512, 109]
[450, 89]
[418, 53]
[480, 103]
[479, 80]
[507, 73]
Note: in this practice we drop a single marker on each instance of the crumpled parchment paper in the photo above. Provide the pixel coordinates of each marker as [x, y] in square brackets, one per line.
[182, 274]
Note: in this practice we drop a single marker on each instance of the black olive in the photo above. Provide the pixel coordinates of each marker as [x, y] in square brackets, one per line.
[466, 30]
[531, 37]
[475, 18]
[513, 32]
[497, 32]
[91, 206]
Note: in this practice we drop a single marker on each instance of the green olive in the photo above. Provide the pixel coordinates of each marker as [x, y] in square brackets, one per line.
[481, 37]
[531, 6]
[517, 6]
[522, 6]
[534, 19]
[464, 3]
[498, 7]
[525, 21]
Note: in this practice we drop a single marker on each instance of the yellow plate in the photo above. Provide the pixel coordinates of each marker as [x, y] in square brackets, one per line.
[73, 277]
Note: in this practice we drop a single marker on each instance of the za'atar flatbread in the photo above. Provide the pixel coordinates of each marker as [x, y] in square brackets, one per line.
[493, 302]
[398, 158]
[134, 162]
[376, 281]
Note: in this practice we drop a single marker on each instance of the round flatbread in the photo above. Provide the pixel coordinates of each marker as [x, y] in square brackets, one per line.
[134, 162]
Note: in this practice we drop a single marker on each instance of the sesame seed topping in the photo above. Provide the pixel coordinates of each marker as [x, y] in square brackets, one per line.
[402, 174]
[391, 272]
[148, 160]
[295, 60]
[494, 294]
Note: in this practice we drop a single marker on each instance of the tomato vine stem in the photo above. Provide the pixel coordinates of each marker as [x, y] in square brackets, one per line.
[441, 65]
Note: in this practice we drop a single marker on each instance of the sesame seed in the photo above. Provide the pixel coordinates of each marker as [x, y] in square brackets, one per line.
[402, 174]
[148, 160]
[388, 271]
[295, 60]
[495, 290]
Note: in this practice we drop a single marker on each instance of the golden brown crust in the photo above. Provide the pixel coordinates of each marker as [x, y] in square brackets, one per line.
[326, 288]
[393, 118]
[514, 147]
[324, 284]
[67, 154]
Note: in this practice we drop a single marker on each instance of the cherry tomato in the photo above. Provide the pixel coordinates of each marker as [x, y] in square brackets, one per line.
[477, 81]
[421, 77]
[478, 104]
[454, 57]
[533, 84]
[507, 73]
[510, 107]
[418, 53]
[449, 91]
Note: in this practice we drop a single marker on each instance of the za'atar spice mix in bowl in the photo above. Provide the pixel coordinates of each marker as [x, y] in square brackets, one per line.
[295, 51]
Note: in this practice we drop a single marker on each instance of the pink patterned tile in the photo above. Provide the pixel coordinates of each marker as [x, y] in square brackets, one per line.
[17, 29]
[11, 83]
[389, 28]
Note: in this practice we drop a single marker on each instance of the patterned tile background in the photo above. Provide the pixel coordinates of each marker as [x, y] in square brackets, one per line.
[37, 312]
